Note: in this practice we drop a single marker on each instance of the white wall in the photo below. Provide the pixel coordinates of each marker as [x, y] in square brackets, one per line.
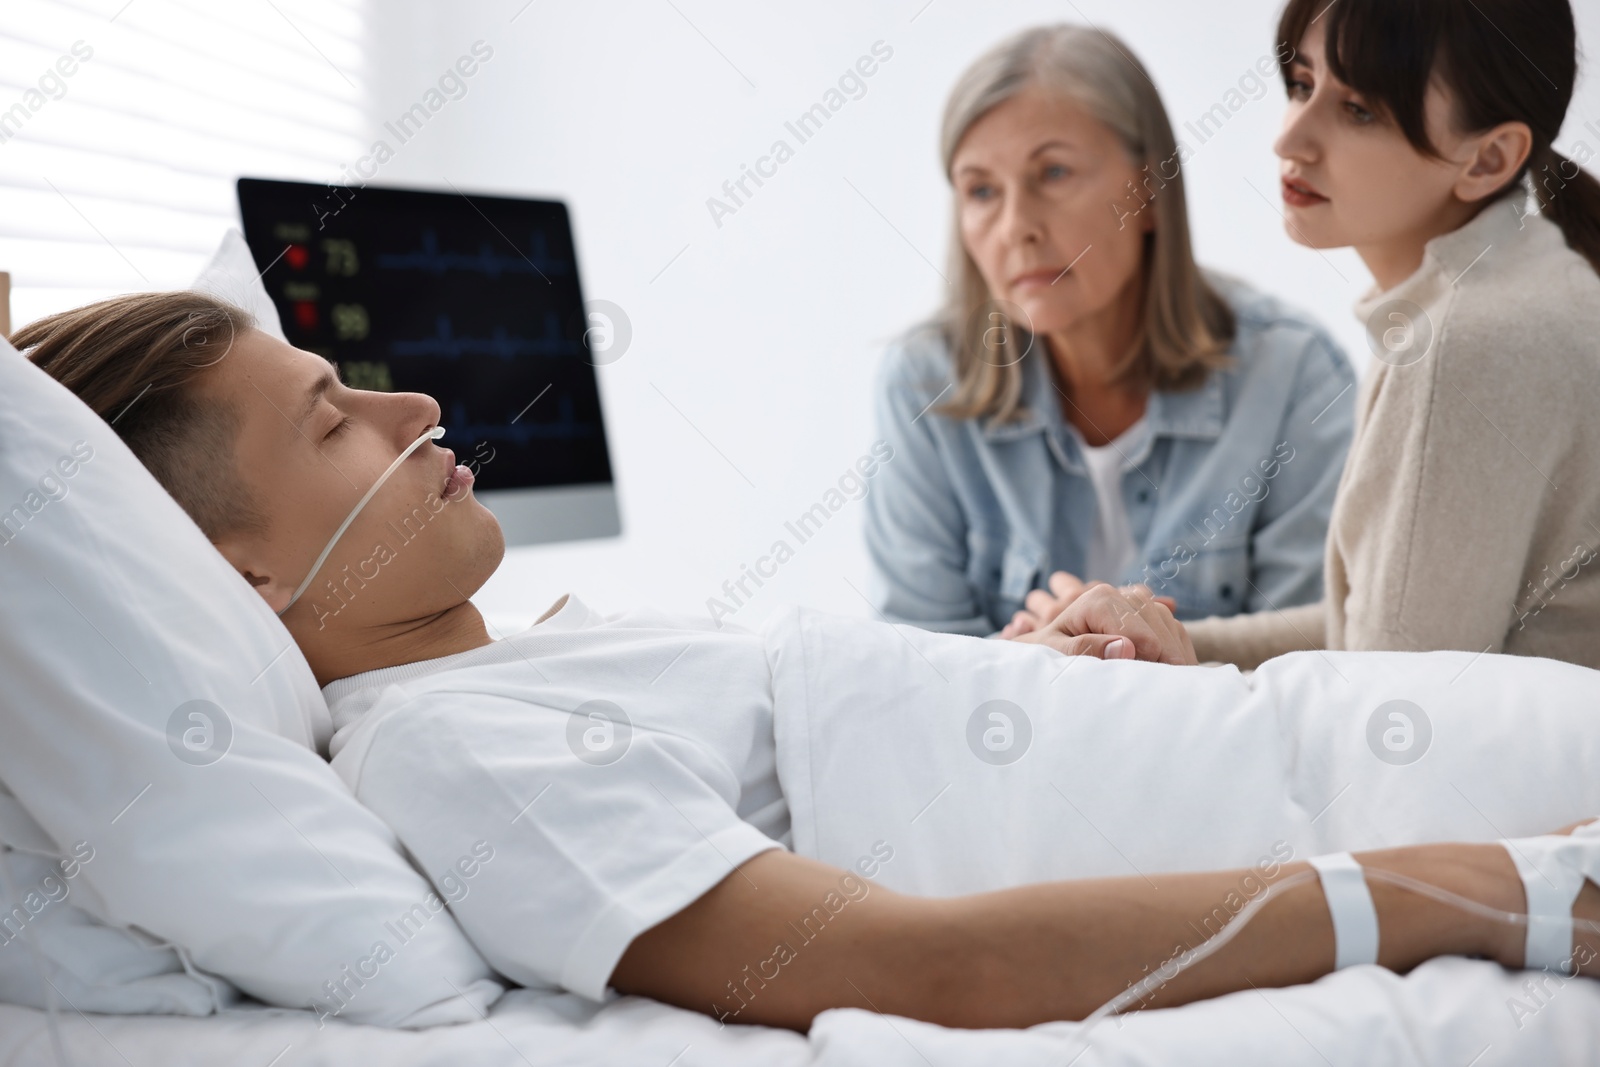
[746, 390]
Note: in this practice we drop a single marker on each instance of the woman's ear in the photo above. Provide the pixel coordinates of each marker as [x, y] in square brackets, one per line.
[246, 559]
[1498, 156]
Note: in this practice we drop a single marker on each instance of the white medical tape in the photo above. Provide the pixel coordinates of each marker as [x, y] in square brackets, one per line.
[1551, 884]
[1355, 919]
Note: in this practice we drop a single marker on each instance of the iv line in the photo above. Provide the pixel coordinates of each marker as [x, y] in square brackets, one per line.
[1165, 973]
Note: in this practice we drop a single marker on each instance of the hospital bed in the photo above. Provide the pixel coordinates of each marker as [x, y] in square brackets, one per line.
[1449, 1011]
[1317, 787]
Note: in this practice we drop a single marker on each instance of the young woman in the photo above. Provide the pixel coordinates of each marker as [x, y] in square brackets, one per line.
[1090, 401]
[1468, 515]
[446, 733]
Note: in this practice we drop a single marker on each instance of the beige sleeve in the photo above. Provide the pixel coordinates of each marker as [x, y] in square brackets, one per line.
[1247, 641]
[1441, 505]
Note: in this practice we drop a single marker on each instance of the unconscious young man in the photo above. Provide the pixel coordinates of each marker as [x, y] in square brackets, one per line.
[667, 871]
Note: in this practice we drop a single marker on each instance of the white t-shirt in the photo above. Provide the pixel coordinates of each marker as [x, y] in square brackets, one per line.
[1112, 547]
[598, 825]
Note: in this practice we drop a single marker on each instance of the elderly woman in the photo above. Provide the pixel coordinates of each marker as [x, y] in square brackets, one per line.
[1090, 401]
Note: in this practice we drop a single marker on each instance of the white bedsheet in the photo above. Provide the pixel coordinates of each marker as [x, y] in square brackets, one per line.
[1211, 774]
[1448, 1012]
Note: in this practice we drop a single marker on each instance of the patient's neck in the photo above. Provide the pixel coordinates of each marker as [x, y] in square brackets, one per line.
[335, 655]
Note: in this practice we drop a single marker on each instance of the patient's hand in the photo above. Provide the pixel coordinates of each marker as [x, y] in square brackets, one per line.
[1041, 605]
[1111, 623]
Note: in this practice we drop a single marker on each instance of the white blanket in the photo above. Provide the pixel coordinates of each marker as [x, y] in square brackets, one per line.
[1450, 1011]
[1131, 769]
[1138, 768]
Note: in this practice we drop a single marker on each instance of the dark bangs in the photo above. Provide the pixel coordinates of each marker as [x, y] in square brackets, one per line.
[1383, 49]
[1499, 61]
[1519, 54]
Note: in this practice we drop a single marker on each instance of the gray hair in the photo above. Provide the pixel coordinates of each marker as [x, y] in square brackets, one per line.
[1185, 327]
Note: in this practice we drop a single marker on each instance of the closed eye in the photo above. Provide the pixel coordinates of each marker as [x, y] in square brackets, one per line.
[339, 427]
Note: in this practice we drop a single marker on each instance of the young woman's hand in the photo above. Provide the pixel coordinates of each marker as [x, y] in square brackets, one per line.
[1041, 605]
[1111, 623]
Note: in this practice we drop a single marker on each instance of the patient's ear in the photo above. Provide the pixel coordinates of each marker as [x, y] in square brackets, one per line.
[246, 559]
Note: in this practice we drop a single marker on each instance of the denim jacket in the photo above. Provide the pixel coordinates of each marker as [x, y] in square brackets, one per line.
[1228, 499]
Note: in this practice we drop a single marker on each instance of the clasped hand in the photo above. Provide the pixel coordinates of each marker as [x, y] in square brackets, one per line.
[1097, 619]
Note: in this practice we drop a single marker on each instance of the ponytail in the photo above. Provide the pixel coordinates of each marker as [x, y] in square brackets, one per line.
[1570, 197]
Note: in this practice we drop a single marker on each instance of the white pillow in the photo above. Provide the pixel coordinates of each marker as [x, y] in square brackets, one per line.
[93, 966]
[232, 276]
[225, 834]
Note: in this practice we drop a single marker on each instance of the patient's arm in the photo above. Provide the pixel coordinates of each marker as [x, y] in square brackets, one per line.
[1043, 952]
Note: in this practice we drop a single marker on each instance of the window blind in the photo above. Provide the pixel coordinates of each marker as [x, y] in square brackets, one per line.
[124, 124]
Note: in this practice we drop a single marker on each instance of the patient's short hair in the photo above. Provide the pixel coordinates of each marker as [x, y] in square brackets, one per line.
[135, 359]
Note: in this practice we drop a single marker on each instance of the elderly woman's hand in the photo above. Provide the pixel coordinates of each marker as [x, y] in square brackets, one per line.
[1041, 606]
[1111, 623]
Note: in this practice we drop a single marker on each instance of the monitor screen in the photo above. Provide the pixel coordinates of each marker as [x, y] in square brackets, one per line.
[474, 300]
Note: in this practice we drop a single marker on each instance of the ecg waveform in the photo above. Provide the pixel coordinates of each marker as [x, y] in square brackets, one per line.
[500, 344]
[564, 426]
[486, 260]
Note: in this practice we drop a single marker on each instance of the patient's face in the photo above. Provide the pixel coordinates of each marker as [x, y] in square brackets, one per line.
[308, 449]
[1041, 186]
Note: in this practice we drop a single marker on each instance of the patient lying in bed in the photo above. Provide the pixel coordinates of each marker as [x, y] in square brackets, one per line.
[623, 772]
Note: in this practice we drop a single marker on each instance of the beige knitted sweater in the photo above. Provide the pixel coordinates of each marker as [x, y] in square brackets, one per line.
[1468, 513]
